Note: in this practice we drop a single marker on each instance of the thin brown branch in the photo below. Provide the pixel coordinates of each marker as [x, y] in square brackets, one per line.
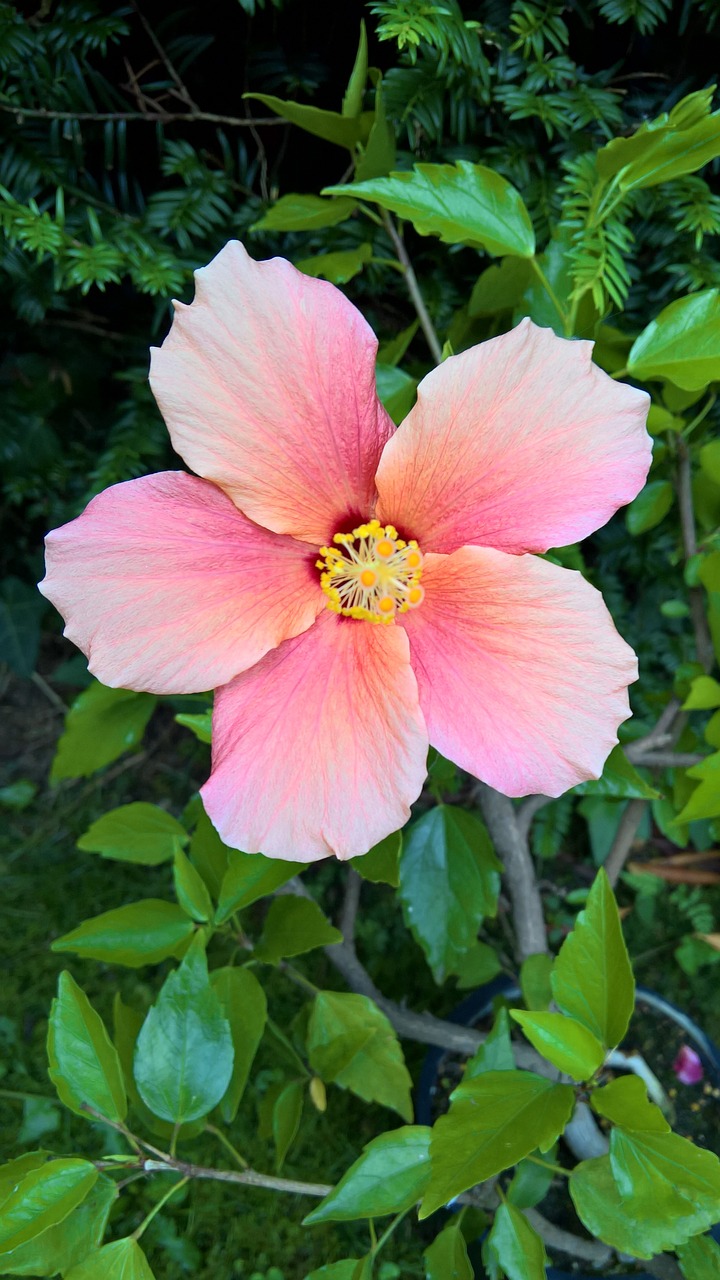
[244, 1177]
[519, 873]
[411, 281]
[351, 902]
[164, 117]
[527, 811]
[574, 1246]
[624, 839]
[182, 89]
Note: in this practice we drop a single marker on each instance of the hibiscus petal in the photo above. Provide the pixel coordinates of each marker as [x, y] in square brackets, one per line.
[522, 675]
[321, 748]
[520, 443]
[267, 384]
[167, 587]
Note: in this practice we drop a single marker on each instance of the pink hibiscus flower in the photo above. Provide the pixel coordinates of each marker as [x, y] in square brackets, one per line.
[311, 518]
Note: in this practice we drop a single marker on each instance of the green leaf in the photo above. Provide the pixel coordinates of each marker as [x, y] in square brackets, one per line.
[535, 974]
[100, 726]
[462, 203]
[208, 854]
[343, 1270]
[389, 1177]
[184, 1052]
[495, 1053]
[251, 876]
[531, 1181]
[449, 881]
[18, 795]
[704, 694]
[138, 832]
[68, 1242]
[121, 1260]
[514, 1246]
[611, 1217]
[494, 1120]
[351, 1043]
[705, 799]
[83, 1062]
[619, 780]
[330, 125]
[592, 977]
[700, 1259]
[245, 1007]
[682, 343]
[650, 507]
[338, 267]
[41, 1116]
[292, 927]
[21, 608]
[200, 724]
[141, 933]
[625, 1102]
[447, 1257]
[127, 1023]
[397, 390]
[563, 1041]
[190, 888]
[382, 864]
[43, 1198]
[286, 1116]
[380, 153]
[710, 460]
[14, 1171]
[500, 287]
[305, 213]
[671, 145]
[393, 350]
[479, 965]
[666, 1176]
[353, 99]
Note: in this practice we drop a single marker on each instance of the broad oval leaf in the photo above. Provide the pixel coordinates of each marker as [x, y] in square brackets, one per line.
[83, 1062]
[700, 1259]
[60, 1247]
[624, 1101]
[250, 876]
[44, 1197]
[346, 131]
[245, 1007]
[447, 1257]
[494, 1120]
[190, 889]
[293, 926]
[462, 203]
[184, 1052]
[592, 978]
[389, 1177]
[351, 1043]
[682, 343]
[121, 1260]
[650, 507]
[305, 213]
[619, 779]
[610, 1216]
[101, 725]
[667, 1177]
[141, 933]
[515, 1246]
[337, 267]
[344, 1269]
[668, 147]
[563, 1041]
[382, 864]
[449, 881]
[138, 832]
[286, 1116]
[495, 1053]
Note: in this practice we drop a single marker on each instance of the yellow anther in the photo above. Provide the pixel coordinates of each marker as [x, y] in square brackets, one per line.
[384, 548]
[368, 577]
[386, 604]
[413, 559]
[416, 595]
[371, 574]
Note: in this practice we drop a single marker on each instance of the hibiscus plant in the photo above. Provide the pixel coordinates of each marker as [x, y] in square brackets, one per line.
[378, 575]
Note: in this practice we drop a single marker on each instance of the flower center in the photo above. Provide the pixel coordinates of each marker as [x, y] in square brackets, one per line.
[371, 573]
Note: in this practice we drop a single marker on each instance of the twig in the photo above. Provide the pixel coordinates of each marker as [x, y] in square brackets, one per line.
[575, 1246]
[670, 759]
[50, 694]
[511, 846]
[703, 639]
[245, 1177]
[351, 902]
[426, 323]
[659, 736]
[164, 117]
[165, 59]
[624, 839]
[527, 811]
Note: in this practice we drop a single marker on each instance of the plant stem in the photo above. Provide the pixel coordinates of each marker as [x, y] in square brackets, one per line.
[19, 1095]
[388, 1232]
[620, 373]
[218, 1133]
[423, 316]
[549, 290]
[546, 1164]
[177, 1186]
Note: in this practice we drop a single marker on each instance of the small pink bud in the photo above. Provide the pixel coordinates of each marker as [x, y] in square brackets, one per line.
[687, 1066]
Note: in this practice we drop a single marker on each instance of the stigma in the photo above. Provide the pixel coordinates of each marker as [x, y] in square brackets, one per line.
[371, 573]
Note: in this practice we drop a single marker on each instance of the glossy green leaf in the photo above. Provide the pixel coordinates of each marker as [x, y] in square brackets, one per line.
[379, 156]
[199, 724]
[514, 1246]
[704, 694]
[293, 926]
[184, 1052]
[611, 1217]
[345, 131]
[190, 888]
[620, 779]
[351, 1043]
[500, 287]
[479, 965]
[14, 1171]
[700, 1259]
[650, 507]
[682, 343]
[343, 1270]
[286, 1116]
[140, 933]
[396, 389]
[83, 1062]
[531, 1181]
[389, 1177]
[101, 725]
[494, 1120]
[592, 978]
[625, 1102]
[673, 144]
[563, 1041]
[305, 213]
[353, 99]
[251, 876]
[705, 799]
[710, 571]
[338, 267]
[449, 881]
[447, 1257]
[495, 1053]
[462, 203]
[60, 1247]
[710, 460]
[138, 832]
[393, 350]
[43, 1198]
[535, 974]
[245, 1007]
[127, 1024]
[382, 864]
[209, 855]
[667, 1177]
[121, 1260]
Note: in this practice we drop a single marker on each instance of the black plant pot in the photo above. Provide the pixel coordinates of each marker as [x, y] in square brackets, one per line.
[476, 1007]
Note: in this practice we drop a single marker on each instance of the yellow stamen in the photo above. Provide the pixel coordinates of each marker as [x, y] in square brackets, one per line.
[368, 577]
[371, 573]
[385, 548]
